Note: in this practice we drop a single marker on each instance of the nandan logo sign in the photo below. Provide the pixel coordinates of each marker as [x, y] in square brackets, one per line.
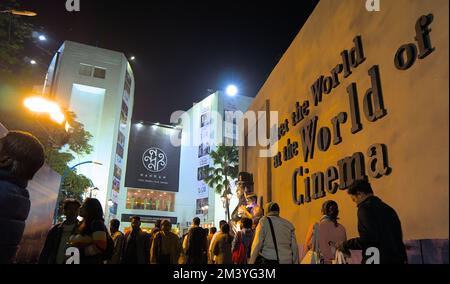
[154, 160]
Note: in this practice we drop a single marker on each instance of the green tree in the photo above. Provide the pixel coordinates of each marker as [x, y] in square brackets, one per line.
[14, 32]
[16, 77]
[225, 169]
[59, 145]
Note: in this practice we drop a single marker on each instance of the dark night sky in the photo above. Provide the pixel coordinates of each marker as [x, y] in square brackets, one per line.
[182, 47]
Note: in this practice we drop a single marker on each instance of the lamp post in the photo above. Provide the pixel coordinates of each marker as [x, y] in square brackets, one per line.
[226, 197]
[39, 104]
[55, 216]
[16, 13]
[205, 212]
[95, 190]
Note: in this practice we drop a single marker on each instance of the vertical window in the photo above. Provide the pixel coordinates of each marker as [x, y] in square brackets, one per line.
[85, 70]
[99, 73]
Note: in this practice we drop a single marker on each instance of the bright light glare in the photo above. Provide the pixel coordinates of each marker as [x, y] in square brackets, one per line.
[58, 117]
[36, 104]
[67, 126]
[41, 105]
[132, 58]
[23, 13]
[42, 38]
[33, 62]
[232, 90]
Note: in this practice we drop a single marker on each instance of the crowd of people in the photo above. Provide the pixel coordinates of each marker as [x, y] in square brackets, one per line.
[263, 237]
[273, 241]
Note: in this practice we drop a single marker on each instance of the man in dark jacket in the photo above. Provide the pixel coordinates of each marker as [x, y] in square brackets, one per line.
[196, 244]
[378, 226]
[54, 251]
[21, 156]
[137, 244]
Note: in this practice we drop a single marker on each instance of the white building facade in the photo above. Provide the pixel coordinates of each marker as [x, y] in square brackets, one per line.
[98, 86]
[205, 126]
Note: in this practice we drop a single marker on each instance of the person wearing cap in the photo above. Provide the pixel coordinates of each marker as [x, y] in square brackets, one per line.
[277, 245]
[251, 210]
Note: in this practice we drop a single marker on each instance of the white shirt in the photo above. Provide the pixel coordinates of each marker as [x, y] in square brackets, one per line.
[286, 241]
[67, 232]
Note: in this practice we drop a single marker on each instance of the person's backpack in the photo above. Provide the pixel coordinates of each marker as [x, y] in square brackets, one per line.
[239, 255]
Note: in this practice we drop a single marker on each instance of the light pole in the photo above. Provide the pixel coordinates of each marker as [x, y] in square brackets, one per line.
[205, 212]
[12, 13]
[55, 216]
[226, 197]
[95, 190]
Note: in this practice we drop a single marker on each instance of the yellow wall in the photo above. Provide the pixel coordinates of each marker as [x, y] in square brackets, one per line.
[415, 129]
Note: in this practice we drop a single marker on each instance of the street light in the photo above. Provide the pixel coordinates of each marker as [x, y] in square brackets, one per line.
[42, 38]
[42, 105]
[205, 211]
[33, 62]
[226, 197]
[20, 13]
[94, 190]
[232, 90]
[132, 58]
[12, 13]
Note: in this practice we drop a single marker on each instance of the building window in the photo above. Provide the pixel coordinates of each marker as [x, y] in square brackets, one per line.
[141, 199]
[99, 73]
[85, 70]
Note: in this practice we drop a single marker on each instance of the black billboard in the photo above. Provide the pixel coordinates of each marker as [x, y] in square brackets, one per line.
[153, 162]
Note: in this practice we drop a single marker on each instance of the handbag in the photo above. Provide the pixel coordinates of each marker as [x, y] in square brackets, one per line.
[261, 259]
[340, 258]
[313, 256]
[239, 255]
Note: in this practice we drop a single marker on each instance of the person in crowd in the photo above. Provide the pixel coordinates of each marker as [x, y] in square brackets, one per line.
[195, 244]
[166, 247]
[277, 245]
[378, 225]
[155, 230]
[252, 210]
[244, 186]
[329, 232]
[213, 239]
[182, 259]
[137, 244]
[211, 233]
[54, 251]
[118, 239]
[21, 156]
[245, 238]
[90, 237]
[222, 246]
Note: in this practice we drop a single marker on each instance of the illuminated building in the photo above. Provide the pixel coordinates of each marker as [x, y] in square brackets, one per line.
[98, 86]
